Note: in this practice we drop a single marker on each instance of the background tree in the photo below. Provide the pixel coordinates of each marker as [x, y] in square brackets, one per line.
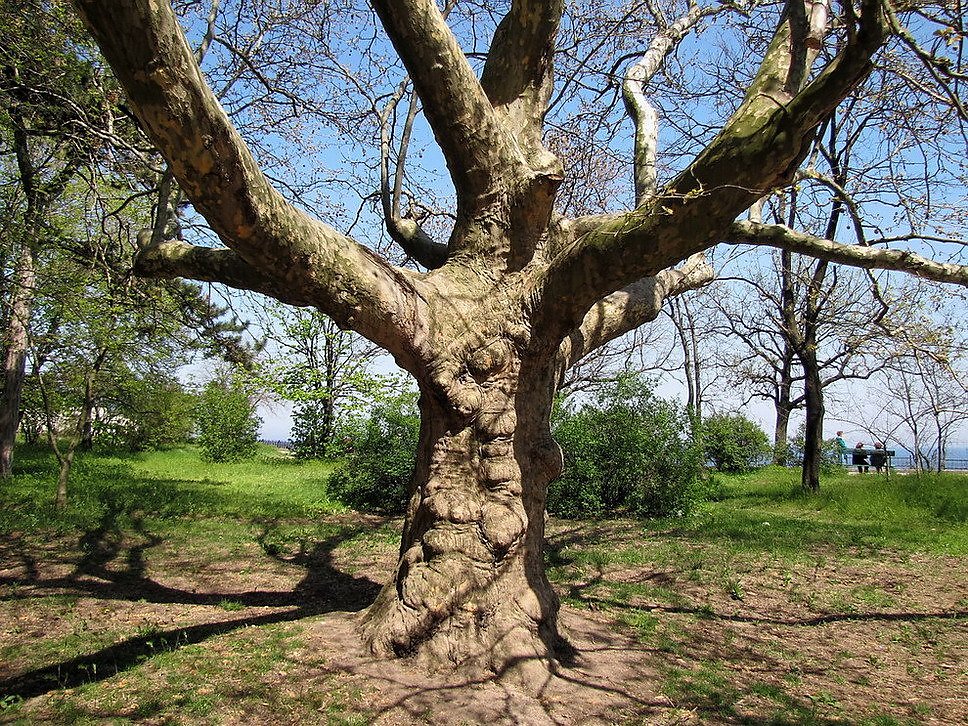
[94, 325]
[830, 315]
[693, 317]
[144, 410]
[376, 473]
[518, 292]
[922, 399]
[227, 424]
[58, 125]
[326, 372]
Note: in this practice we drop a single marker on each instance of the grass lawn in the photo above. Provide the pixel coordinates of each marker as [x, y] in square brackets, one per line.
[178, 591]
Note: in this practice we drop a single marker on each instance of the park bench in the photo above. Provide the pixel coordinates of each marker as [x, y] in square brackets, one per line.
[846, 456]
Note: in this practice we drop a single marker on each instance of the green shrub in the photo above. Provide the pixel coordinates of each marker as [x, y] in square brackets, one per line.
[228, 428]
[733, 442]
[628, 450]
[376, 475]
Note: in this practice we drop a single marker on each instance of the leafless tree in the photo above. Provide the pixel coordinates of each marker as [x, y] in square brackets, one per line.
[519, 291]
[922, 399]
[771, 316]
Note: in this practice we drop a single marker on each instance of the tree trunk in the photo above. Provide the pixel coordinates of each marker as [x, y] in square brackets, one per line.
[813, 427]
[941, 450]
[15, 356]
[470, 591]
[328, 423]
[781, 431]
[63, 475]
[87, 437]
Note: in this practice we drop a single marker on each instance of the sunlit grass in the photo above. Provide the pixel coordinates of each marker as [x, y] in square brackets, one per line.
[768, 511]
[165, 485]
[669, 582]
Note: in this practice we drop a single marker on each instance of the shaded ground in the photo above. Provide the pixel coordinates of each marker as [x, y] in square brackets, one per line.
[209, 622]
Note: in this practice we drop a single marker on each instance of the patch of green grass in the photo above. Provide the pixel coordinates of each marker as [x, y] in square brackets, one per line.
[768, 511]
[873, 597]
[705, 687]
[122, 490]
[643, 622]
[663, 634]
[30, 653]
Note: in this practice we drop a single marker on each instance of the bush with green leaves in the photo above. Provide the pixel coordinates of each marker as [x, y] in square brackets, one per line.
[626, 451]
[734, 443]
[376, 475]
[227, 425]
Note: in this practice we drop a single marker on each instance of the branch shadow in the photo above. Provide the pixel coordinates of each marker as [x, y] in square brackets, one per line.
[323, 588]
[715, 697]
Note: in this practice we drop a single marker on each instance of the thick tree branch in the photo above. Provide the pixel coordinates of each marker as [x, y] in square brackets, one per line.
[781, 236]
[631, 307]
[145, 46]
[480, 152]
[173, 258]
[518, 74]
[760, 147]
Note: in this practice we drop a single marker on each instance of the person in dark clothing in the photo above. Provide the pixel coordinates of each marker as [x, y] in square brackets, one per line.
[878, 457]
[859, 459]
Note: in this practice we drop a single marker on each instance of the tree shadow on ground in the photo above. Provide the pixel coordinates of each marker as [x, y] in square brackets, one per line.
[712, 636]
[323, 588]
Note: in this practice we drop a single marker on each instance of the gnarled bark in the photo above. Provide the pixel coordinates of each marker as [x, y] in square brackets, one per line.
[470, 589]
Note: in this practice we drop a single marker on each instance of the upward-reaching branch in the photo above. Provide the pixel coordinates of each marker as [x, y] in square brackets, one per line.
[405, 231]
[145, 46]
[629, 308]
[518, 74]
[637, 104]
[760, 146]
[480, 152]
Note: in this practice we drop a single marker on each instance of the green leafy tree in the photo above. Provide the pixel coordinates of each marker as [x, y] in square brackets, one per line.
[59, 125]
[140, 412]
[733, 442]
[227, 424]
[325, 371]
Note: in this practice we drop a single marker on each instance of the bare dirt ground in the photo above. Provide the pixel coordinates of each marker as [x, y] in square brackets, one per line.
[876, 638]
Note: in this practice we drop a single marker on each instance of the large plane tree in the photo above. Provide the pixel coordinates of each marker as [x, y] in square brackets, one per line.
[519, 289]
